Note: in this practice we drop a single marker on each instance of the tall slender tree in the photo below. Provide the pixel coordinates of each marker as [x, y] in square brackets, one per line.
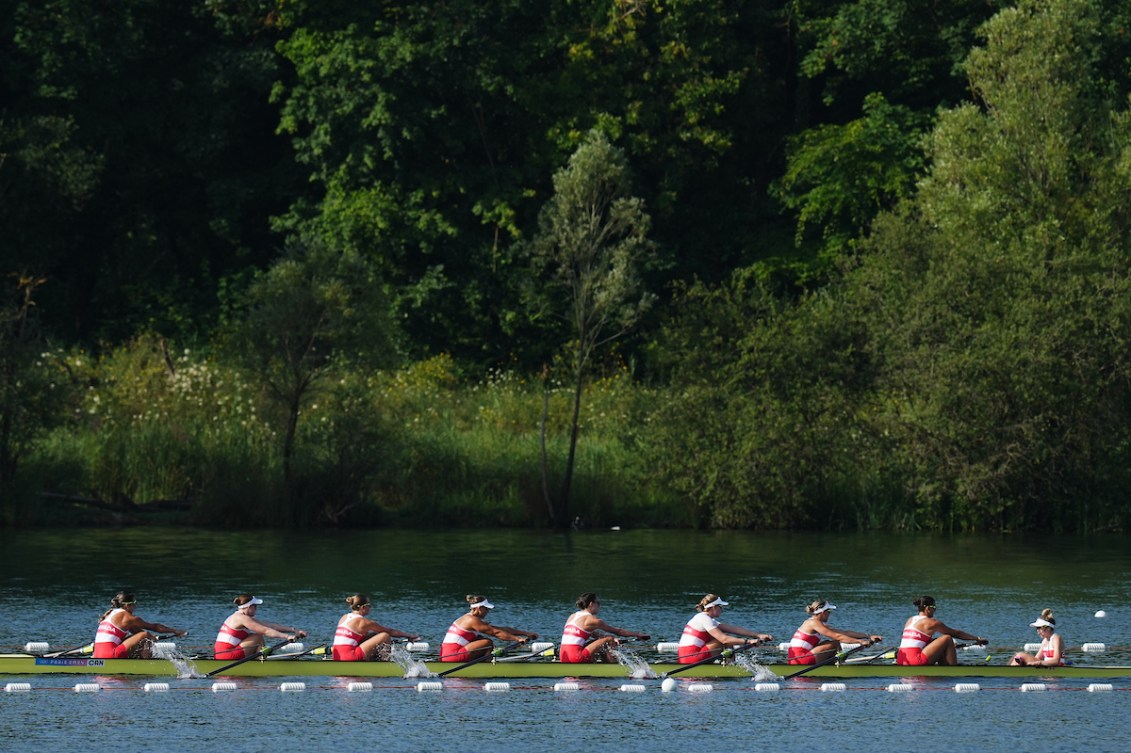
[593, 235]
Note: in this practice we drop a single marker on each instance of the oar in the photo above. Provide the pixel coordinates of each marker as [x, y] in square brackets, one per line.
[258, 654]
[726, 654]
[87, 649]
[889, 654]
[834, 658]
[316, 650]
[542, 649]
[489, 655]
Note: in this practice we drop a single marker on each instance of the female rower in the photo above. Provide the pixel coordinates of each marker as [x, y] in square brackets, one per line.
[123, 635]
[704, 636]
[468, 637]
[242, 635]
[579, 644]
[1051, 653]
[919, 645]
[815, 641]
[358, 638]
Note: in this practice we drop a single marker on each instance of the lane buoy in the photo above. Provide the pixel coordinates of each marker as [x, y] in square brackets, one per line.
[668, 685]
[156, 687]
[223, 687]
[1101, 614]
[566, 687]
[360, 687]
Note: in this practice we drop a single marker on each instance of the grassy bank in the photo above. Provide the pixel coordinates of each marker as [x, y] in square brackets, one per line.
[419, 446]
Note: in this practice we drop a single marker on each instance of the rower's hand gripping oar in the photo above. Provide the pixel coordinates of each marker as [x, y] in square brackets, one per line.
[488, 655]
[261, 653]
[726, 654]
[835, 658]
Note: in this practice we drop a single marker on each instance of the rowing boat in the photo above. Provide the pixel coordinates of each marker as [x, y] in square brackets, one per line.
[23, 664]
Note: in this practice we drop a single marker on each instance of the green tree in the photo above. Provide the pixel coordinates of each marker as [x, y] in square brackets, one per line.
[32, 386]
[840, 176]
[140, 164]
[312, 314]
[592, 239]
[998, 296]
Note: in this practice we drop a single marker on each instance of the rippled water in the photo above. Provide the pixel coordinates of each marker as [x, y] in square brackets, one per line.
[53, 586]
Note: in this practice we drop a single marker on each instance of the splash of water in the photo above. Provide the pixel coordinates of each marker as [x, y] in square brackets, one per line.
[751, 665]
[638, 669]
[183, 664]
[412, 666]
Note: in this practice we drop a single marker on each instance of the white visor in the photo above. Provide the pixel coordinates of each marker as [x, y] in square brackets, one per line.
[255, 601]
[1041, 623]
[826, 608]
[485, 604]
[717, 603]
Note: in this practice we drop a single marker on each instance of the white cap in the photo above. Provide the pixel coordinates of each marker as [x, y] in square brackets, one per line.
[717, 603]
[485, 604]
[1041, 622]
[827, 607]
[255, 600]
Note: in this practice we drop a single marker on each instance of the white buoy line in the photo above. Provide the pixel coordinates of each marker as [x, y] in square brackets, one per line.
[668, 685]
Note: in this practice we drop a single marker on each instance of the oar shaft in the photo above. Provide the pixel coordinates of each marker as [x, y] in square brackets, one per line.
[260, 653]
[834, 658]
[724, 653]
[488, 655]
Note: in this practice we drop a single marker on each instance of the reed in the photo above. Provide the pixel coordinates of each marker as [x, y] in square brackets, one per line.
[420, 446]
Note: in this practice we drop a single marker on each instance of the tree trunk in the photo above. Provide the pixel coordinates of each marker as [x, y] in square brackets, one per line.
[567, 482]
[551, 508]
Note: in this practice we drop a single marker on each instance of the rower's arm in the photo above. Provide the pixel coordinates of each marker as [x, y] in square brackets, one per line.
[748, 633]
[135, 624]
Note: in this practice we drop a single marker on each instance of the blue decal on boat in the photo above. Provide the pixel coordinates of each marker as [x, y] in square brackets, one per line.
[43, 661]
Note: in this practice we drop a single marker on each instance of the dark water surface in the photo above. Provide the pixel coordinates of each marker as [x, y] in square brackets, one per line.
[54, 584]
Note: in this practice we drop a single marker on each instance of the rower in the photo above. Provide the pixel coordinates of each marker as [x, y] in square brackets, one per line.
[704, 636]
[358, 638]
[469, 637]
[1051, 653]
[579, 644]
[815, 641]
[242, 635]
[919, 645]
[122, 634]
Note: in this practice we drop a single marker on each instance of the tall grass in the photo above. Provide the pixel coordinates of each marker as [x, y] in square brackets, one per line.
[418, 446]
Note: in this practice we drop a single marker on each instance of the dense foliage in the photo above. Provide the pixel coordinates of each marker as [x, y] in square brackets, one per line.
[297, 262]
